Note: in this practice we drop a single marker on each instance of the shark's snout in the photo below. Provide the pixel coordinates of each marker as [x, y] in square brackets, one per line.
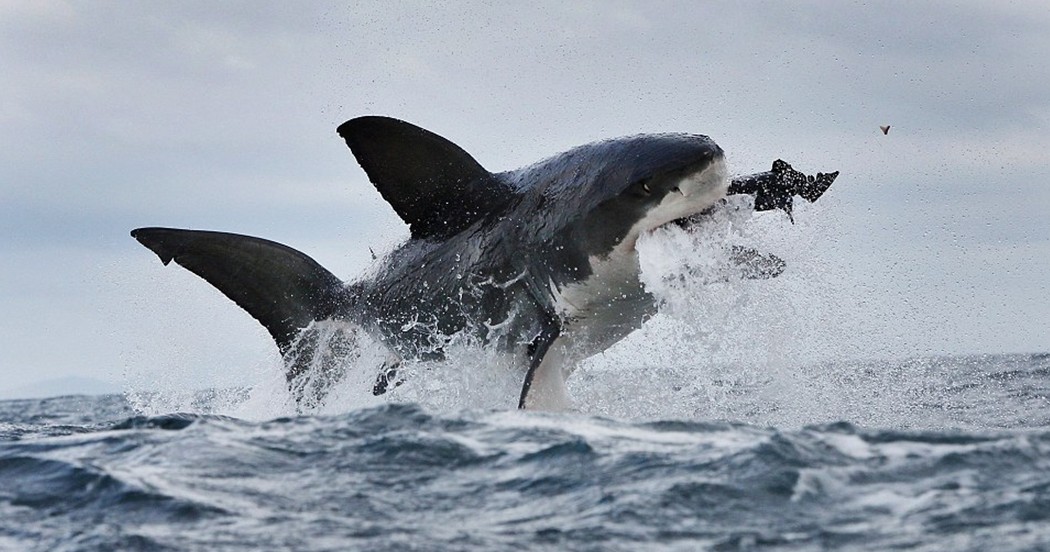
[692, 194]
[707, 181]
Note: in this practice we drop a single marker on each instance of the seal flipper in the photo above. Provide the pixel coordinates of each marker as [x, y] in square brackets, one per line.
[283, 289]
[433, 185]
[755, 265]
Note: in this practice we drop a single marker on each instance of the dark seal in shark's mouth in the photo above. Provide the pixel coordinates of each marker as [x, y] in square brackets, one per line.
[538, 261]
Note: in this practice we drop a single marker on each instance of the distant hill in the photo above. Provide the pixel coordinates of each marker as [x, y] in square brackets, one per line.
[72, 385]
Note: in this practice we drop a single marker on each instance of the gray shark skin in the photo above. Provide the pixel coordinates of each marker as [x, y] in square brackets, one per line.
[539, 262]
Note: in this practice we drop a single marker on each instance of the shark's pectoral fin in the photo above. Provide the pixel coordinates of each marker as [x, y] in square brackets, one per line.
[544, 386]
[283, 289]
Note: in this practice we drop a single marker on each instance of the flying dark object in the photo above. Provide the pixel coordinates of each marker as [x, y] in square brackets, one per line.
[538, 261]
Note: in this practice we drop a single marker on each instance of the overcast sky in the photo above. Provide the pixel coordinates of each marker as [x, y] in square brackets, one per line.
[222, 115]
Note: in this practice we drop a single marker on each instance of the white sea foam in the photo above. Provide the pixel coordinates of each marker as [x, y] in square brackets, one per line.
[779, 351]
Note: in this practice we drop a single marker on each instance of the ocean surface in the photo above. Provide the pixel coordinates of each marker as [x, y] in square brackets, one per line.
[965, 466]
[746, 415]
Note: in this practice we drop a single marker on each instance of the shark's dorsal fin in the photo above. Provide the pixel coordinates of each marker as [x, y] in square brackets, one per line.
[432, 184]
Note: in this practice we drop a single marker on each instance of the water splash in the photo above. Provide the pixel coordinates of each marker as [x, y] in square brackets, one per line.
[787, 351]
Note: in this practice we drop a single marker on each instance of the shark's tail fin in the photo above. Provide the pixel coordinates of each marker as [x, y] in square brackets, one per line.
[283, 289]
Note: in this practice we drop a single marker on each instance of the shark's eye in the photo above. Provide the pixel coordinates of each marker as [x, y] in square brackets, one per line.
[640, 188]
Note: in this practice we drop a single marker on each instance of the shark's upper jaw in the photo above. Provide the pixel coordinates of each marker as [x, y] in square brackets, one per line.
[695, 192]
[691, 194]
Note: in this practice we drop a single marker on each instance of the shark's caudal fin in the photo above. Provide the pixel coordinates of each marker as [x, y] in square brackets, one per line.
[432, 184]
[282, 288]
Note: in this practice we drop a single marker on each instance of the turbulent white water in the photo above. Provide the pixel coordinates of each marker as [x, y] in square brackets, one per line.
[785, 352]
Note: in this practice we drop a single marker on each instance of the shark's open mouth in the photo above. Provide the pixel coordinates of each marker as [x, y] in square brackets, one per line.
[694, 194]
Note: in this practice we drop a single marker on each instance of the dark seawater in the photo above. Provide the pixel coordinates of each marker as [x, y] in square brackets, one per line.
[88, 473]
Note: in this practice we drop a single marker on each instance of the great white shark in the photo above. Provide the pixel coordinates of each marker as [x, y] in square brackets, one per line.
[539, 261]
